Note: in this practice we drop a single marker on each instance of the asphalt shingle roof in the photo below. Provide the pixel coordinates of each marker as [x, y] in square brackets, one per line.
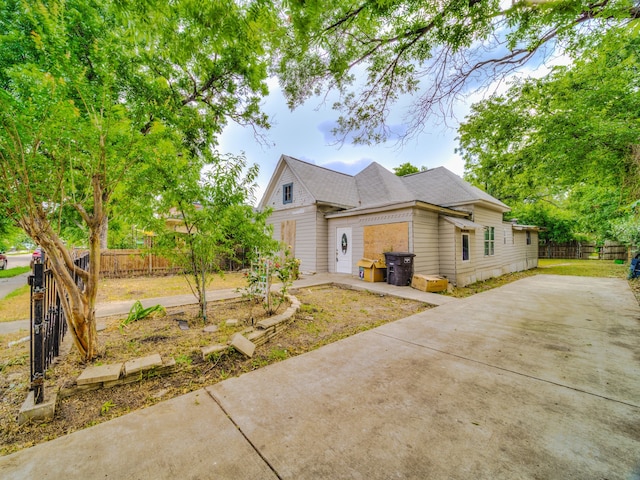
[326, 186]
[440, 186]
[375, 186]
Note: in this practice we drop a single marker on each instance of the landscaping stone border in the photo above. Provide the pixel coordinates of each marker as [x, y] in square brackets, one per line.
[264, 331]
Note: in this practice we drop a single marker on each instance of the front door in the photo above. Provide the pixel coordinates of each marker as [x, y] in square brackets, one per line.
[343, 250]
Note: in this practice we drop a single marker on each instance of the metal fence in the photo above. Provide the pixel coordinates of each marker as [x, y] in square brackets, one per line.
[48, 321]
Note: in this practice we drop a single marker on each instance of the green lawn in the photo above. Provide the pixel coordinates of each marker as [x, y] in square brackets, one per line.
[582, 268]
[13, 272]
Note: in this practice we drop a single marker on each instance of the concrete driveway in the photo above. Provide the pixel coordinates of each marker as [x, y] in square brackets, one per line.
[539, 379]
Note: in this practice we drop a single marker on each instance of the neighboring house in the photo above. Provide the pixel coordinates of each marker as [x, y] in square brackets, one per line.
[331, 220]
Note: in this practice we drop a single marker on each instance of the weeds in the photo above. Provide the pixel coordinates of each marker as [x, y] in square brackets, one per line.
[138, 312]
[106, 406]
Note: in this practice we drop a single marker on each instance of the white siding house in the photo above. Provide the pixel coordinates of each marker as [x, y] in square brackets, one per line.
[331, 220]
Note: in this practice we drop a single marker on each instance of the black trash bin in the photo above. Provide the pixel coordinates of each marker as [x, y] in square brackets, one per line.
[399, 268]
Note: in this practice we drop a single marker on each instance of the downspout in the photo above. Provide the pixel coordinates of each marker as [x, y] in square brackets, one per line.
[455, 254]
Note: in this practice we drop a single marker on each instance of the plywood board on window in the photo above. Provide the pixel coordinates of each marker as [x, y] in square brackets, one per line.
[288, 234]
[389, 237]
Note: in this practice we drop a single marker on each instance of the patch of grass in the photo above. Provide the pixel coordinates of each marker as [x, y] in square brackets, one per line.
[15, 306]
[13, 272]
[114, 289]
[581, 268]
[278, 353]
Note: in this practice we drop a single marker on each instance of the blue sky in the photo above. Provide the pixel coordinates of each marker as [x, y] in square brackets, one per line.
[305, 134]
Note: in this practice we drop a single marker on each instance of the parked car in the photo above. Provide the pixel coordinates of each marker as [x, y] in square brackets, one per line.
[36, 256]
[3, 261]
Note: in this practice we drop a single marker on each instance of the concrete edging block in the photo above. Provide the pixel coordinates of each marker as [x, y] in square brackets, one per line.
[41, 412]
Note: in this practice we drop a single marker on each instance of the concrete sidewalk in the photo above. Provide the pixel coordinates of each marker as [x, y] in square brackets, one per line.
[537, 379]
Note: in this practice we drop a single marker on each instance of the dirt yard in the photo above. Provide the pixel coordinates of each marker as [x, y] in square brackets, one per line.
[327, 314]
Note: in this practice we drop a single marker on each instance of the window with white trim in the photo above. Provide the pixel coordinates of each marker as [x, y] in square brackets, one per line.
[287, 193]
[489, 241]
[466, 253]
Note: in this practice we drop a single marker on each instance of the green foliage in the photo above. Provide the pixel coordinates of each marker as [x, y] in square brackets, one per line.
[208, 218]
[101, 100]
[138, 312]
[106, 406]
[562, 149]
[13, 272]
[371, 53]
[260, 279]
[407, 169]
[184, 359]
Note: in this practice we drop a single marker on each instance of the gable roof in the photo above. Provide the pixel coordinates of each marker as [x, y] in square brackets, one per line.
[376, 186]
[326, 186]
[443, 187]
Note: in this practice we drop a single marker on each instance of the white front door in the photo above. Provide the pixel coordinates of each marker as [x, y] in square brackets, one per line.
[343, 250]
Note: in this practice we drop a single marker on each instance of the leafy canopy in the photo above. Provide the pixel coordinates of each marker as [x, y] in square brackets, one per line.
[568, 141]
[373, 52]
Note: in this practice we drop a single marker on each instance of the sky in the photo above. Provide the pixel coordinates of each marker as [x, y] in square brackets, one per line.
[305, 134]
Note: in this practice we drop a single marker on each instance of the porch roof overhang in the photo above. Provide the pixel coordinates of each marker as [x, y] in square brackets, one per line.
[533, 228]
[398, 206]
[463, 223]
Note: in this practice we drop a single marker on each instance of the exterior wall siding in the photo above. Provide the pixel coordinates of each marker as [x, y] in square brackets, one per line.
[320, 243]
[306, 228]
[447, 248]
[426, 242]
[511, 254]
[301, 197]
[357, 224]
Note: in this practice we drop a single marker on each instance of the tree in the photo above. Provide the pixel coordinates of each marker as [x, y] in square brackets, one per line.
[372, 52]
[211, 220]
[407, 169]
[569, 140]
[93, 95]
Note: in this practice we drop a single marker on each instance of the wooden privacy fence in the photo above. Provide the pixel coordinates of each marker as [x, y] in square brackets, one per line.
[134, 263]
[584, 250]
[137, 263]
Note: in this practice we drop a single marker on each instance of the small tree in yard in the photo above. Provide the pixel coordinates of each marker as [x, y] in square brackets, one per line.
[97, 97]
[211, 221]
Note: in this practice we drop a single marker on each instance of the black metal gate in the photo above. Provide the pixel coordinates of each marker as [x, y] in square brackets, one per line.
[48, 321]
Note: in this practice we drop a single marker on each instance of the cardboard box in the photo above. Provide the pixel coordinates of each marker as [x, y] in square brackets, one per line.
[429, 283]
[372, 270]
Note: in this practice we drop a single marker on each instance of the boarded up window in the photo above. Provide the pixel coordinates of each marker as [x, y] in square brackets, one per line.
[390, 237]
[288, 235]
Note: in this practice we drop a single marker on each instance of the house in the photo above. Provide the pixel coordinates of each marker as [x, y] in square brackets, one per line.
[331, 220]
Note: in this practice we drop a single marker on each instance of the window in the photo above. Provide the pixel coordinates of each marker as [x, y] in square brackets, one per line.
[528, 238]
[465, 247]
[287, 193]
[489, 241]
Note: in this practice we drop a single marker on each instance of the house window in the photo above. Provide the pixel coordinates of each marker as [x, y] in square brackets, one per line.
[465, 247]
[489, 241]
[528, 238]
[287, 193]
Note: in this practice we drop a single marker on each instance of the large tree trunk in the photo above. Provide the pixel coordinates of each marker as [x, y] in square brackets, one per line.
[78, 299]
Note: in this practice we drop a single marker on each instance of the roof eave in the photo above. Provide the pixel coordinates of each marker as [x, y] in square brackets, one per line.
[398, 206]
